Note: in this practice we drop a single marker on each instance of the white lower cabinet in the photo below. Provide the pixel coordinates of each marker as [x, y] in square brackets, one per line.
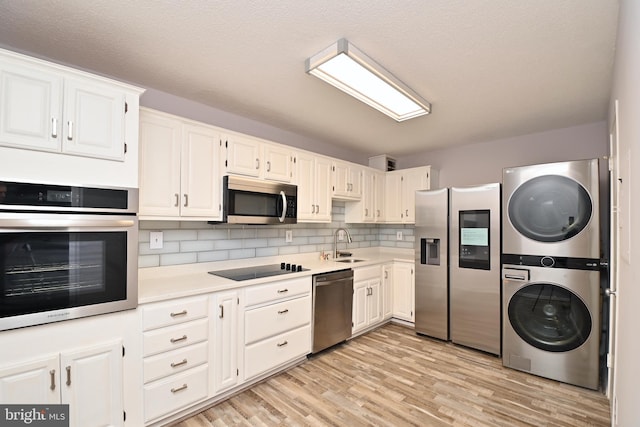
[89, 380]
[367, 298]
[387, 291]
[277, 325]
[176, 355]
[224, 353]
[404, 291]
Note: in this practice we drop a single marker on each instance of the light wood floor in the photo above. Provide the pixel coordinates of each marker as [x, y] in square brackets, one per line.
[392, 377]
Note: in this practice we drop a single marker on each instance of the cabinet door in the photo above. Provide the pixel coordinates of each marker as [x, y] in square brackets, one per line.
[225, 342]
[374, 302]
[387, 291]
[277, 163]
[393, 197]
[403, 291]
[93, 120]
[368, 196]
[159, 165]
[36, 382]
[93, 385]
[340, 179]
[355, 182]
[306, 181]
[323, 189]
[360, 301]
[30, 107]
[200, 178]
[243, 156]
[413, 180]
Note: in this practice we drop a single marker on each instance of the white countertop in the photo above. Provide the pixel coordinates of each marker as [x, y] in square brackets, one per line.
[163, 283]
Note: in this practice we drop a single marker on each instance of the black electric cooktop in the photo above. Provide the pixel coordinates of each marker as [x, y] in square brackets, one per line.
[256, 272]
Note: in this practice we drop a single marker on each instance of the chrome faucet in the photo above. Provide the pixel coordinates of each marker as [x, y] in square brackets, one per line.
[335, 241]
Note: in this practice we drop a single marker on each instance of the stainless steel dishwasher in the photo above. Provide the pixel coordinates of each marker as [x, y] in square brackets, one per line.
[332, 307]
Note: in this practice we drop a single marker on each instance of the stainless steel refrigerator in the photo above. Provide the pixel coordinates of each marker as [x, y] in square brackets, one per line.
[458, 265]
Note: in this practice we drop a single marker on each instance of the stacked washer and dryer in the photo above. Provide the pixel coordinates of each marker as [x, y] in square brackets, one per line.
[551, 271]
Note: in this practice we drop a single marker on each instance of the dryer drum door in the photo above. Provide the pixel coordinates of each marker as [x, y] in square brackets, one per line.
[550, 208]
[549, 317]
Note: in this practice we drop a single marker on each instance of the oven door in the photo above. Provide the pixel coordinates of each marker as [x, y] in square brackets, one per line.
[56, 267]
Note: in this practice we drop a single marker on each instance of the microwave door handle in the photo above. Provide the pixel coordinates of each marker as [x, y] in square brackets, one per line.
[284, 206]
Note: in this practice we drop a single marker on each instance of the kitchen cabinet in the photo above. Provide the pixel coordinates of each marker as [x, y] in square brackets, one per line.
[346, 180]
[89, 380]
[251, 157]
[176, 358]
[367, 299]
[401, 186]
[313, 177]
[179, 168]
[404, 291]
[371, 206]
[226, 372]
[48, 107]
[277, 325]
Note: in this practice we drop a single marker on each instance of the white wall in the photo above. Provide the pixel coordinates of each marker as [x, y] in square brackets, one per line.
[482, 163]
[626, 89]
[172, 104]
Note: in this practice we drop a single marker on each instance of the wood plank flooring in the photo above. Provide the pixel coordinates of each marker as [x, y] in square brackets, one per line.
[392, 377]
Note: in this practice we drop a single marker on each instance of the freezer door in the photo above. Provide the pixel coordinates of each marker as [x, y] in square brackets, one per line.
[475, 267]
[431, 260]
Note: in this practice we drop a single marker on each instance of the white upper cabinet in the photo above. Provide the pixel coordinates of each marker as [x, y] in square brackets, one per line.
[401, 186]
[179, 168]
[93, 120]
[242, 155]
[371, 207]
[313, 177]
[278, 163]
[251, 157]
[347, 180]
[44, 107]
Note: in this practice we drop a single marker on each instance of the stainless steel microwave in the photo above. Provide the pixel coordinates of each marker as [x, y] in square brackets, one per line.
[251, 201]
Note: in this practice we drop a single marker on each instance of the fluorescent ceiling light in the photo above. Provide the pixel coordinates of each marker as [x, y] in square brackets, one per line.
[350, 70]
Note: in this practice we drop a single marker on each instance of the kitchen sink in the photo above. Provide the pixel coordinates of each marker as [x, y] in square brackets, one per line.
[350, 260]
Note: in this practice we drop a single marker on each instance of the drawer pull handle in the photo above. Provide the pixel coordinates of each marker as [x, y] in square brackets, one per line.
[282, 291]
[286, 310]
[53, 379]
[181, 313]
[221, 316]
[175, 390]
[282, 344]
[68, 368]
[175, 340]
[175, 365]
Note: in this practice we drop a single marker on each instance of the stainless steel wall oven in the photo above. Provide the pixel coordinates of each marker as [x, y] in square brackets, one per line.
[66, 252]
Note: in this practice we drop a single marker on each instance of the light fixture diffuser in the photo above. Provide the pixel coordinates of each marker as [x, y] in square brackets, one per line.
[350, 70]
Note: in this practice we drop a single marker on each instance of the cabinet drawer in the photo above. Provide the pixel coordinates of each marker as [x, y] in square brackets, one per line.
[366, 273]
[279, 290]
[173, 312]
[173, 337]
[272, 352]
[276, 318]
[165, 364]
[175, 392]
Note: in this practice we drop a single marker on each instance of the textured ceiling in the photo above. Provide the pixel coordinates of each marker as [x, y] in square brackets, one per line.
[491, 68]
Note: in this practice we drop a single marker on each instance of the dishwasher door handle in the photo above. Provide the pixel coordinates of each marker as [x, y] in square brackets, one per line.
[334, 282]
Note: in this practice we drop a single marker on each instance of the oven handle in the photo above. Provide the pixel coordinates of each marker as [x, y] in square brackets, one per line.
[63, 223]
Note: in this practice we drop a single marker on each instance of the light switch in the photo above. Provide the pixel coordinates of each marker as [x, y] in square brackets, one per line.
[155, 240]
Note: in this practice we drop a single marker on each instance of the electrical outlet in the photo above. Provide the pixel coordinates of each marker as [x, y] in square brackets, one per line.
[399, 235]
[288, 236]
[155, 240]
[340, 235]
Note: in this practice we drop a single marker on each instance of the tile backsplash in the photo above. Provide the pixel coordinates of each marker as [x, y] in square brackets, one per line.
[187, 242]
